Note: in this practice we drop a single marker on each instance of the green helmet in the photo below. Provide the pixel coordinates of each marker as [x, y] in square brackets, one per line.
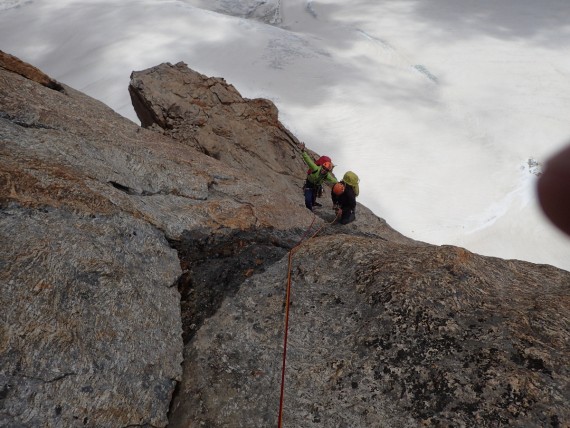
[352, 180]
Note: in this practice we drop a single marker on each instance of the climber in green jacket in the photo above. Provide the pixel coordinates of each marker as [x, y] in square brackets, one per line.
[317, 176]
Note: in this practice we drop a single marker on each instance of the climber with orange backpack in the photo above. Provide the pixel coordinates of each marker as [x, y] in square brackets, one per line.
[344, 195]
[316, 176]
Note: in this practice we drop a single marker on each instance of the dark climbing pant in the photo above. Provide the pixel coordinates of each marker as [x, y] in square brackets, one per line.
[310, 197]
[347, 217]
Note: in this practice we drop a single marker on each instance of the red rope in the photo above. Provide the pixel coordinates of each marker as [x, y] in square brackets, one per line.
[287, 301]
[281, 399]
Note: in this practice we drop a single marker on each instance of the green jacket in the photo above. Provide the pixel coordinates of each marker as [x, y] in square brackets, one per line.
[315, 177]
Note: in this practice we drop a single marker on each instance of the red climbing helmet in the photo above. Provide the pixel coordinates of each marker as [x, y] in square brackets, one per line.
[319, 162]
[338, 189]
[322, 160]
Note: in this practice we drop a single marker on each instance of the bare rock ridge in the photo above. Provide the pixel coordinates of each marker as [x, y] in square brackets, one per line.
[143, 276]
[15, 65]
[211, 116]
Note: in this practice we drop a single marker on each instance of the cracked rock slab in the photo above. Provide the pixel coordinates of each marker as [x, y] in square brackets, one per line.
[80, 342]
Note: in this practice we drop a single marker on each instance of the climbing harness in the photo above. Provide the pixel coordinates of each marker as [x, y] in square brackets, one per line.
[287, 301]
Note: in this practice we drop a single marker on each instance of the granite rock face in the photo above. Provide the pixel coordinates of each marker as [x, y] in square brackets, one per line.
[90, 325]
[143, 276]
[390, 332]
[104, 225]
[383, 334]
[211, 115]
[90, 330]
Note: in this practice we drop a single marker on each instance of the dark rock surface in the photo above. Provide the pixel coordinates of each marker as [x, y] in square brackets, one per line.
[386, 335]
[126, 250]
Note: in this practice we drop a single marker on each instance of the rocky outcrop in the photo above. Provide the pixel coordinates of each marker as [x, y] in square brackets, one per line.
[16, 65]
[211, 115]
[267, 11]
[90, 325]
[129, 251]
